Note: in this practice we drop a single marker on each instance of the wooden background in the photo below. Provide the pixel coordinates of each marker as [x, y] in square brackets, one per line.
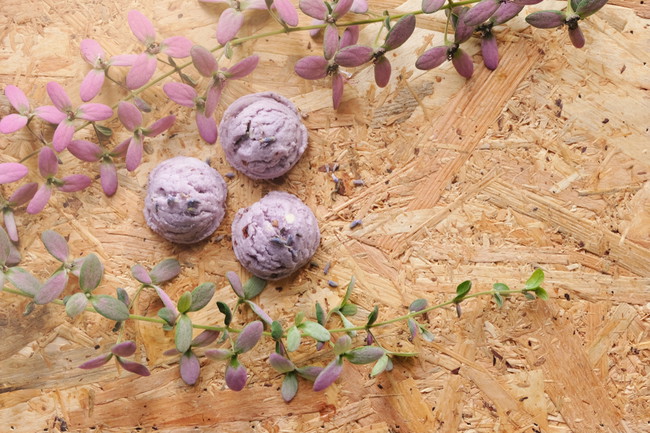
[542, 163]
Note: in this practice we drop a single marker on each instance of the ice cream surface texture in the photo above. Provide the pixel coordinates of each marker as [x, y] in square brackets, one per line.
[262, 135]
[185, 200]
[275, 236]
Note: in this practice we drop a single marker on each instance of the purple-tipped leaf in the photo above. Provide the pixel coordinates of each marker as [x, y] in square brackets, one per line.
[58, 96]
[353, 56]
[289, 387]
[91, 51]
[229, 24]
[110, 307]
[12, 123]
[589, 7]
[280, 363]
[243, 67]
[140, 273]
[506, 12]
[205, 338]
[236, 376]
[207, 127]
[310, 373]
[134, 153]
[40, 199]
[141, 27]
[56, 245]
[76, 304]
[490, 52]
[52, 288]
[75, 182]
[12, 171]
[183, 333]
[17, 99]
[141, 72]
[576, 36]
[311, 67]
[314, 8]
[400, 32]
[14, 256]
[96, 362]
[108, 177]
[382, 71]
[431, 6]
[134, 367]
[418, 305]
[204, 61]
[462, 62]
[341, 8]
[546, 19]
[219, 354]
[129, 115]
[329, 374]
[190, 368]
[249, 337]
[350, 36]
[85, 150]
[160, 126]
[432, 58]
[260, 313]
[235, 283]
[480, 12]
[165, 271]
[10, 224]
[47, 162]
[63, 135]
[50, 113]
[287, 11]
[23, 281]
[91, 273]
[177, 46]
[126, 348]
[94, 112]
[23, 194]
[330, 41]
[123, 60]
[167, 301]
[365, 355]
[462, 31]
[342, 345]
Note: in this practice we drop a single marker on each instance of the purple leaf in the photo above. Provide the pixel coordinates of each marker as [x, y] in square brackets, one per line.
[286, 11]
[365, 355]
[62, 135]
[108, 177]
[207, 127]
[134, 153]
[280, 363]
[289, 387]
[10, 224]
[243, 67]
[12, 123]
[214, 94]
[110, 307]
[330, 41]
[313, 8]
[76, 304]
[96, 362]
[141, 72]
[337, 90]
[171, 352]
[350, 36]
[310, 373]
[490, 51]
[56, 245]
[141, 274]
[341, 8]
[329, 374]
[528, 2]
[94, 112]
[205, 338]
[91, 51]
[40, 199]
[382, 71]
[23, 194]
[190, 368]
[50, 114]
[342, 345]
[126, 348]
[13, 171]
[235, 283]
[418, 305]
[401, 31]
[121, 149]
[23, 280]
[141, 27]
[463, 63]
[462, 32]
[5, 245]
[311, 67]
[261, 313]
[480, 12]
[506, 12]
[359, 6]
[353, 56]
[229, 24]
[92, 84]
[204, 61]
[160, 126]
[14, 256]
[413, 329]
[576, 36]
[249, 337]
[431, 6]
[165, 271]
[236, 375]
[91, 273]
[75, 182]
[58, 96]
[167, 301]
[85, 150]
[177, 46]
[17, 99]
[219, 354]
[123, 60]
[134, 367]
[546, 19]
[129, 115]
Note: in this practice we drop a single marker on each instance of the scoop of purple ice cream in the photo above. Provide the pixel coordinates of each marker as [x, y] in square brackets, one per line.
[275, 236]
[185, 200]
[262, 135]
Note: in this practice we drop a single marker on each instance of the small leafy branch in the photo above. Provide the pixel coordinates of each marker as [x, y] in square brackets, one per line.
[344, 343]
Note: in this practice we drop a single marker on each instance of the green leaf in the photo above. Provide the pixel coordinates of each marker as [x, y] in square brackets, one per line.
[320, 314]
[122, 295]
[165, 271]
[56, 245]
[254, 287]
[348, 291]
[184, 302]
[498, 299]
[140, 273]
[365, 354]
[276, 330]
[293, 339]
[462, 290]
[347, 324]
[426, 334]
[348, 310]
[379, 366]
[314, 330]
[103, 130]
[535, 280]
[500, 287]
[289, 386]
[418, 305]
[183, 333]
[541, 293]
[76, 304]
[372, 317]
[202, 295]
[225, 310]
[23, 281]
[342, 345]
[300, 317]
[5, 246]
[529, 295]
[167, 315]
[91, 273]
[110, 307]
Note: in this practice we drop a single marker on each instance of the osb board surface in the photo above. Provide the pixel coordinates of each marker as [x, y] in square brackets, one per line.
[543, 162]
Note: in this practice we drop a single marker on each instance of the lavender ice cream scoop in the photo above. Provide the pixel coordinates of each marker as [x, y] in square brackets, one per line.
[185, 200]
[262, 135]
[275, 236]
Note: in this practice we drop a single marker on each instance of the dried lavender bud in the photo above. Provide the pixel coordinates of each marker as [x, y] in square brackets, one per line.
[356, 223]
[326, 269]
[358, 182]
[332, 283]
